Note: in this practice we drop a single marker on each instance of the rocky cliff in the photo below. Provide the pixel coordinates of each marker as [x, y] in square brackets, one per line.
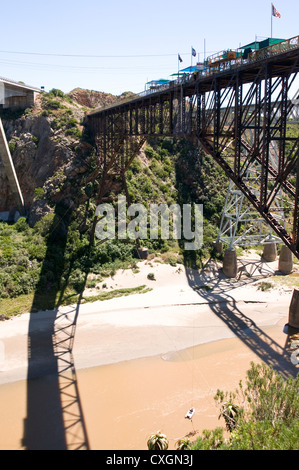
[90, 98]
[50, 157]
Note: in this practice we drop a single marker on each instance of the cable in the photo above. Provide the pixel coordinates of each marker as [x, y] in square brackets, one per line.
[100, 56]
[75, 67]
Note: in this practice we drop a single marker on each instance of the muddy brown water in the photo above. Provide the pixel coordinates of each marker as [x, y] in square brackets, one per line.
[123, 403]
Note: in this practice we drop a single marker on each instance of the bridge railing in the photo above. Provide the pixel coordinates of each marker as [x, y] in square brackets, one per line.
[212, 68]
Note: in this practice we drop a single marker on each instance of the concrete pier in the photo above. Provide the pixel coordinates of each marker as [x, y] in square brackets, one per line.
[219, 247]
[294, 310]
[270, 252]
[142, 253]
[230, 267]
[285, 264]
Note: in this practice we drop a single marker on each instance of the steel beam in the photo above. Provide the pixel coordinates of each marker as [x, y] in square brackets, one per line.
[220, 110]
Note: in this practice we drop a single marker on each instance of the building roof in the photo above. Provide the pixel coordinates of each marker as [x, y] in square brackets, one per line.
[189, 69]
[256, 44]
[161, 81]
[18, 84]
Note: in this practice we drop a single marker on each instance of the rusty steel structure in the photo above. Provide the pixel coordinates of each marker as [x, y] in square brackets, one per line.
[218, 107]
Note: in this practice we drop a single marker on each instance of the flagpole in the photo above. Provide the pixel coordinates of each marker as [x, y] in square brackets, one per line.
[271, 22]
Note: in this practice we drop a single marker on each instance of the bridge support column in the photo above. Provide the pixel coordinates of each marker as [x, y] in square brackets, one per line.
[270, 252]
[285, 264]
[218, 247]
[230, 267]
[142, 253]
[294, 310]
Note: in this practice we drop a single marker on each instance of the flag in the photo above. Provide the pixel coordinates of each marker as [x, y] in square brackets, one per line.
[275, 12]
[180, 59]
[193, 52]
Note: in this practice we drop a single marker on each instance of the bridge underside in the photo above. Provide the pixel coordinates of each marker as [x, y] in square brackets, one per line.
[235, 116]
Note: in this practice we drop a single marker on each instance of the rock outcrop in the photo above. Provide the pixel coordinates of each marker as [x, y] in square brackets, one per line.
[49, 155]
[51, 159]
[90, 98]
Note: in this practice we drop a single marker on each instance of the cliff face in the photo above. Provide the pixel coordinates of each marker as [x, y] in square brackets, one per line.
[90, 98]
[35, 154]
[47, 150]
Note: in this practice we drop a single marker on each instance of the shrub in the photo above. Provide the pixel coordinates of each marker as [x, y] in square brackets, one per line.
[21, 224]
[91, 284]
[43, 226]
[77, 280]
[151, 276]
[71, 123]
[12, 146]
[74, 132]
[38, 193]
[53, 104]
[264, 286]
[268, 418]
[56, 92]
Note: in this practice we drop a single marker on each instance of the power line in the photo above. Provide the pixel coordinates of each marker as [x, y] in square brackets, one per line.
[98, 56]
[89, 56]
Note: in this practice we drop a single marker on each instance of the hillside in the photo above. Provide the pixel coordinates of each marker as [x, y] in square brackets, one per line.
[56, 165]
[46, 142]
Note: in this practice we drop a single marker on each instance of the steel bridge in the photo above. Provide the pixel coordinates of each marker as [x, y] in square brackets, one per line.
[218, 108]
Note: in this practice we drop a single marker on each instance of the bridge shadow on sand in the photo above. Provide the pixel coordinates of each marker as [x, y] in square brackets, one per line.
[217, 290]
[54, 413]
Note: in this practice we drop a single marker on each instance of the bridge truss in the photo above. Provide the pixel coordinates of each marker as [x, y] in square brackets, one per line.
[234, 114]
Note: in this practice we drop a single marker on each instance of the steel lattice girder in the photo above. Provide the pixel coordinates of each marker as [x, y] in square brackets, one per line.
[219, 111]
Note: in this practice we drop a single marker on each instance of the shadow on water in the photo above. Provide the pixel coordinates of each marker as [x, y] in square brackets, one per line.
[214, 287]
[54, 414]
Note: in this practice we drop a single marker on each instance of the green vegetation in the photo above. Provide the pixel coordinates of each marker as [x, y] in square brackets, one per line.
[36, 262]
[55, 107]
[56, 92]
[117, 293]
[175, 171]
[264, 286]
[262, 415]
[33, 261]
[157, 441]
[52, 262]
[151, 276]
[39, 193]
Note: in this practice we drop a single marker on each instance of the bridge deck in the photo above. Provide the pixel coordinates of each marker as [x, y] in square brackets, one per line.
[280, 56]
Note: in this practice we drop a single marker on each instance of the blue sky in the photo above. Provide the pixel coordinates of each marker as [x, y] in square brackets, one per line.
[48, 43]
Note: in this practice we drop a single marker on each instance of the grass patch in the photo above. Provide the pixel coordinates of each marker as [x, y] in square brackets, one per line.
[203, 287]
[290, 280]
[116, 293]
[15, 306]
[264, 286]
[23, 303]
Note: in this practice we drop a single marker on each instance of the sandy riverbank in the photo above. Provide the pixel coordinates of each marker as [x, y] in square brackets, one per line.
[138, 363]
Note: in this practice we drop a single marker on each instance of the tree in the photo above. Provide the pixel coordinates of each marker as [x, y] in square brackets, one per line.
[157, 441]
[230, 412]
[183, 444]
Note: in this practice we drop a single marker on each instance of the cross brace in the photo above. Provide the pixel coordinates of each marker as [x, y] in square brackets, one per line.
[221, 112]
